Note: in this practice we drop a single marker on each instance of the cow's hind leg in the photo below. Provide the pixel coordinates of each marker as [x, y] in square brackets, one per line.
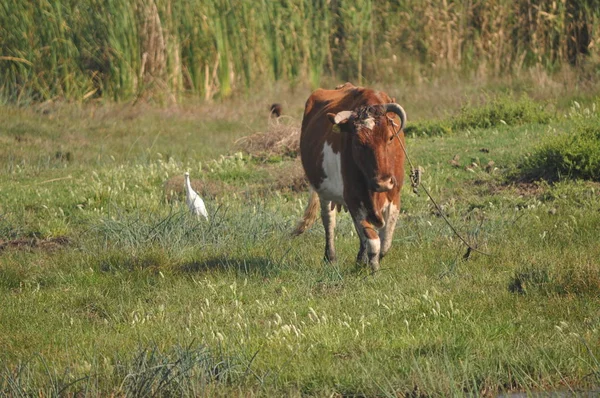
[328, 218]
[386, 233]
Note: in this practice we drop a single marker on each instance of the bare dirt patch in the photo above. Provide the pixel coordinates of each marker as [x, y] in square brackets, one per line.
[523, 189]
[49, 244]
[527, 189]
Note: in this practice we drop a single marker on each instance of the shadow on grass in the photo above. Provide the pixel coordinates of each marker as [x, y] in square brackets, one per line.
[263, 266]
[156, 259]
[117, 260]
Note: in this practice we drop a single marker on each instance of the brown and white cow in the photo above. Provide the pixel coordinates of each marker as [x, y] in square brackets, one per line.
[351, 158]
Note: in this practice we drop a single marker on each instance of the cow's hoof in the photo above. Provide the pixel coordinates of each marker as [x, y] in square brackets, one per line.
[374, 268]
[362, 261]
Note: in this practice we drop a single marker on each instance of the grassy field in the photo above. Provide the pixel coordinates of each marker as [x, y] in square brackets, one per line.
[109, 286]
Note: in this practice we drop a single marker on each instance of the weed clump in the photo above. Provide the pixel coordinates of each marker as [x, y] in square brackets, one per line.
[502, 110]
[183, 372]
[574, 155]
[566, 279]
[281, 140]
[528, 278]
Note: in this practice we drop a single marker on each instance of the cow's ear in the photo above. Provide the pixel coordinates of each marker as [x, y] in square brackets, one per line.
[339, 118]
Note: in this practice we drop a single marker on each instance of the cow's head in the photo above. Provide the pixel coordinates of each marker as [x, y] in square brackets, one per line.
[371, 132]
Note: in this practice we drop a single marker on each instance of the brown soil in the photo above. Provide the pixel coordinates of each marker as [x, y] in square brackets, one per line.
[50, 244]
[525, 189]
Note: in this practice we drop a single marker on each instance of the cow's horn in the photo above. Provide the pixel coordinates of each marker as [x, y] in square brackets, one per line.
[398, 110]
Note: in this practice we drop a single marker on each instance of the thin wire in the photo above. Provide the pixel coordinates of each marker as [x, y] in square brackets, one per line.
[418, 183]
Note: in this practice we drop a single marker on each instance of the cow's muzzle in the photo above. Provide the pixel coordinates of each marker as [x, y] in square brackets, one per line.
[384, 184]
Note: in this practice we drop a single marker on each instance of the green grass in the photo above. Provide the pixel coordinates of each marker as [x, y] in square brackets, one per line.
[572, 153]
[502, 110]
[499, 110]
[145, 300]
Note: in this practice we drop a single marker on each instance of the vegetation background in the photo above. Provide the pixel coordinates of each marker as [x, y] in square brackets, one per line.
[126, 49]
[108, 287]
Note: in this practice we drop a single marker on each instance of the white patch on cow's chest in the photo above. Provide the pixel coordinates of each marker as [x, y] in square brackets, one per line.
[332, 187]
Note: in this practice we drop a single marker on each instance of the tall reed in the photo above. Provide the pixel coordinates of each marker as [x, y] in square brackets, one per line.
[123, 50]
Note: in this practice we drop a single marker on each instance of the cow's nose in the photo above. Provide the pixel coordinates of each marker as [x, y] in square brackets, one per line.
[384, 184]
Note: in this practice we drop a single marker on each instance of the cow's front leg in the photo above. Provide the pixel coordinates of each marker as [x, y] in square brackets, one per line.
[370, 244]
[386, 234]
[362, 257]
[328, 218]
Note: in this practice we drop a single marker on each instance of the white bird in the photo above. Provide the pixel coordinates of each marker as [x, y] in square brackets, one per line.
[194, 201]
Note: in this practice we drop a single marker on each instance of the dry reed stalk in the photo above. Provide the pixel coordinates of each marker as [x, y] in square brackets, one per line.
[173, 48]
[211, 81]
[153, 45]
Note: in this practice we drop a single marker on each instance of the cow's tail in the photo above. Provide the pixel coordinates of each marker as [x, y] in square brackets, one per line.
[310, 214]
